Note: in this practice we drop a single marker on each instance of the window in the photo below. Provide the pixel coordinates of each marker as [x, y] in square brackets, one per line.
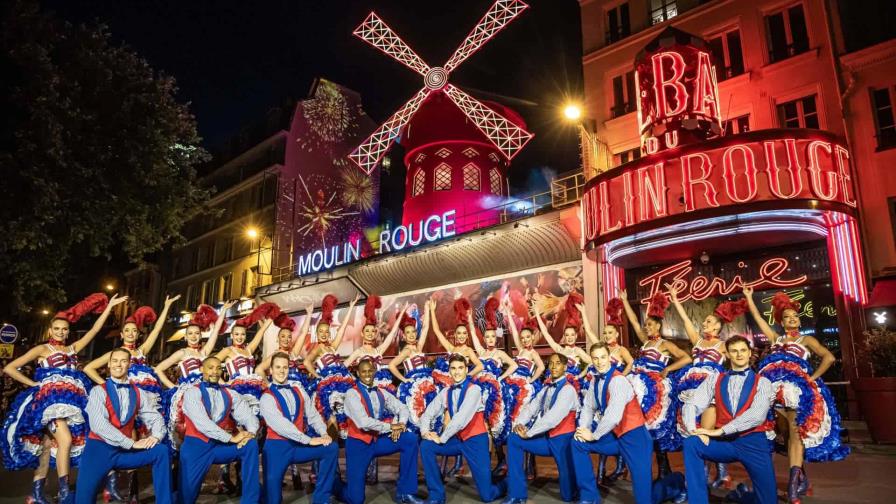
[623, 94]
[494, 157]
[891, 203]
[209, 291]
[224, 250]
[494, 180]
[628, 155]
[419, 183]
[442, 178]
[662, 10]
[786, 33]
[727, 55]
[884, 122]
[735, 125]
[618, 25]
[244, 284]
[443, 153]
[420, 157]
[226, 286]
[800, 113]
[192, 297]
[175, 266]
[471, 177]
[470, 152]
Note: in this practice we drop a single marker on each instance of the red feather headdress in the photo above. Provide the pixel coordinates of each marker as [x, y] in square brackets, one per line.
[491, 314]
[613, 311]
[730, 310]
[94, 303]
[262, 311]
[373, 304]
[204, 317]
[657, 305]
[142, 317]
[284, 321]
[326, 309]
[407, 320]
[461, 308]
[780, 302]
[573, 315]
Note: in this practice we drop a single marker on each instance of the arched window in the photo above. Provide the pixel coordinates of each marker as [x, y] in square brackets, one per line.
[471, 177]
[419, 182]
[442, 178]
[494, 179]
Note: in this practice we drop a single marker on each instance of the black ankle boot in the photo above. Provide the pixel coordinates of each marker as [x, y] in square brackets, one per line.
[601, 470]
[66, 496]
[793, 494]
[133, 489]
[110, 492]
[37, 492]
[225, 484]
[618, 471]
[373, 470]
[804, 488]
[662, 462]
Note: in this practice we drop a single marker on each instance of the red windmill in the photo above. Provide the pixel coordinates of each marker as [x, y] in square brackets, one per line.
[506, 135]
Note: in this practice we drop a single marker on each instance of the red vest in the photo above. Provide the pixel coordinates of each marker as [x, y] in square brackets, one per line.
[475, 426]
[723, 416]
[299, 422]
[567, 425]
[126, 429]
[227, 423]
[356, 432]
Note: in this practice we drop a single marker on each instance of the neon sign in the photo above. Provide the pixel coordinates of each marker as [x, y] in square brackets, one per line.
[796, 168]
[329, 257]
[700, 287]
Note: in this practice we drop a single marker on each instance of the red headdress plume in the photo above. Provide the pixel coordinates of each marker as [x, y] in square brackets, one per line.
[204, 317]
[142, 317]
[573, 315]
[730, 310]
[530, 323]
[407, 320]
[657, 305]
[491, 314]
[326, 309]
[262, 311]
[284, 321]
[461, 308]
[780, 302]
[613, 311]
[94, 303]
[373, 304]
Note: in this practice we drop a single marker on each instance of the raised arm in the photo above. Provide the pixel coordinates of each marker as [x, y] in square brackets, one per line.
[12, 369]
[259, 335]
[827, 358]
[508, 316]
[681, 357]
[299, 344]
[436, 329]
[757, 316]
[590, 337]
[223, 354]
[167, 363]
[92, 368]
[345, 322]
[424, 330]
[474, 336]
[160, 323]
[216, 328]
[632, 318]
[262, 368]
[689, 328]
[354, 356]
[85, 340]
[547, 335]
[387, 341]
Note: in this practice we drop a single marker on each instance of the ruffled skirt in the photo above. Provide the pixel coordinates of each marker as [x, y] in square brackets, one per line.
[417, 393]
[329, 397]
[61, 394]
[654, 393]
[495, 409]
[250, 387]
[173, 403]
[383, 379]
[517, 393]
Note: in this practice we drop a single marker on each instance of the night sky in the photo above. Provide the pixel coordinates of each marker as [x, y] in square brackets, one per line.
[233, 60]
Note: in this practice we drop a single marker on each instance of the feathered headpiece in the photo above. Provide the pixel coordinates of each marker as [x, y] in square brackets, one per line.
[407, 320]
[373, 304]
[94, 303]
[142, 317]
[657, 305]
[613, 311]
[730, 310]
[461, 308]
[573, 315]
[780, 302]
[529, 323]
[204, 317]
[284, 321]
[326, 309]
[491, 314]
[262, 311]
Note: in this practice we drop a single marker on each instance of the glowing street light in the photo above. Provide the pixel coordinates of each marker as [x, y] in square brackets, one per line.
[595, 153]
[45, 312]
[110, 287]
[252, 233]
[572, 112]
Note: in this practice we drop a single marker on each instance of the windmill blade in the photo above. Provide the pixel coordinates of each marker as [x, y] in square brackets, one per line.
[377, 33]
[368, 154]
[497, 17]
[507, 137]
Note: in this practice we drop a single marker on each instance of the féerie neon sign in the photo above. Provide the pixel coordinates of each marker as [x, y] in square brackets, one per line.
[701, 287]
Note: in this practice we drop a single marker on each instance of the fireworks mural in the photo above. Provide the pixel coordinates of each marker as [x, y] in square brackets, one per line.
[320, 212]
[357, 190]
[331, 119]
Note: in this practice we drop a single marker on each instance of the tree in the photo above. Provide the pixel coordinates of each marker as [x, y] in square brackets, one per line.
[98, 158]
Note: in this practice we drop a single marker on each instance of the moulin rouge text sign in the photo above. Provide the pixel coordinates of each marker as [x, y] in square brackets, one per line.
[798, 168]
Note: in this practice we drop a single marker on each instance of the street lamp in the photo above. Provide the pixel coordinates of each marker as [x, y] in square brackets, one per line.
[595, 153]
[253, 234]
[110, 287]
[45, 312]
[572, 112]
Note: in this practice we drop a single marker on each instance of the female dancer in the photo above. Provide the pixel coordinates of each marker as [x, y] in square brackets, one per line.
[575, 355]
[417, 388]
[297, 371]
[805, 403]
[139, 373]
[708, 353]
[189, 362]
[47, 421]
[367, 350]
[650, 372]
[324, 363]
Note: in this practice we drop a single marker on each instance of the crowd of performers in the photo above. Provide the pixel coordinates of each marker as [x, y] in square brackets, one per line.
[472, 401]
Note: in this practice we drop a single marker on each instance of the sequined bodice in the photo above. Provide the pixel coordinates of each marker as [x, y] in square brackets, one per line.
[708, 354]
[614, 356]
[240, 365]
[191, 365]
[60, 359]
[653, 353]
[137, 357]
[794, 348]
[327, 359]
[525, 363]
[415, 361]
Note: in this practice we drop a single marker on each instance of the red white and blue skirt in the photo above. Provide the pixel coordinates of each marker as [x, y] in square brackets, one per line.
[383, 378]
[145, 378]
[61, 394]
[816, 412]
[173, 404]
[417, 393]
[654, 393]
[329, 396]
[250, 386]
[495, 409]
[517, 394]
[685, 383]
[440, 372]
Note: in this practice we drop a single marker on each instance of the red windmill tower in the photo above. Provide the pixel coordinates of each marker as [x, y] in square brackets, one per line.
[457, 148]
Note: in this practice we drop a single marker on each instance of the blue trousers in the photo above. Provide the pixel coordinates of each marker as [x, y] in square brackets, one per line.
[635, 447]
[278, 454]
[475, 451]
[196, 456]
[542, 446]
[358, 455]
[751, 450]
[99, 458]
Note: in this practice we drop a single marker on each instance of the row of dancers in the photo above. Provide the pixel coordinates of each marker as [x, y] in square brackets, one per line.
[48, 421]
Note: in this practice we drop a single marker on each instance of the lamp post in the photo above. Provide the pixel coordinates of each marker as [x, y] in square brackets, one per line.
[595, 153]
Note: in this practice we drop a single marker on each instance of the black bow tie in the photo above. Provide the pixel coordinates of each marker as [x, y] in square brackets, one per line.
[739, 373]
[371, 389]
[122, 385]
[282, 387]
[457, 386]
[212, 385]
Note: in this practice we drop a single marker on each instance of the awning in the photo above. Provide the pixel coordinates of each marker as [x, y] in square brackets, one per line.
[883, 294]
